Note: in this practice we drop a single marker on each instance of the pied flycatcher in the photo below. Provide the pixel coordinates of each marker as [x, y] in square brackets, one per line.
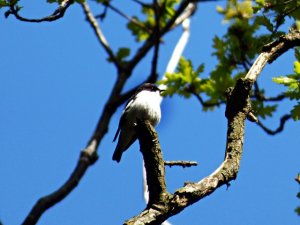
[143, 105]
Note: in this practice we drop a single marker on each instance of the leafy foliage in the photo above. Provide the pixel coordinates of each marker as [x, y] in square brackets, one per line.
[8, 3]
[250, 26]
[292, 82]
[121, 55]
[3, 3]
[263, 110]
[142, 28]
[185, 79]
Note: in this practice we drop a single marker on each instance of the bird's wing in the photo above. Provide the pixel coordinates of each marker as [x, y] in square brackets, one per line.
[123, 117]
[117, 133]
[121, 122]
[126, 139]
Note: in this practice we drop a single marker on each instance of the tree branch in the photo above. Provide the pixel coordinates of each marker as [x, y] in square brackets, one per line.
[156, 34]
[143, 50]
[44, 203]
[131, 19]
[280, 128]
[100, 36]
[206, 104]
[89, 154]
[153, 161]
[237, 109]
[57, 14]
[181, 163]
[192, 192]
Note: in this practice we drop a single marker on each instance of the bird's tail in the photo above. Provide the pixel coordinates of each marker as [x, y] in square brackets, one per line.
[117, 155]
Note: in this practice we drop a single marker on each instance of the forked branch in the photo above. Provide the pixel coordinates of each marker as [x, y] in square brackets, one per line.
[237, 109]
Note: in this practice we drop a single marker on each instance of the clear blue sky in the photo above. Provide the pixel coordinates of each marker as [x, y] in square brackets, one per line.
[53, 84]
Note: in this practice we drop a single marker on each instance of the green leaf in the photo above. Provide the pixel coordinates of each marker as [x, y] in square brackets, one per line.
[263, 111]
[284, 80]
[296, 112]
[292, 95]
[121, 54]
[6, 3]
[184, 81]
[264, 21]
[3, 3]
[297, 210]
[297, 67]
[260, 2]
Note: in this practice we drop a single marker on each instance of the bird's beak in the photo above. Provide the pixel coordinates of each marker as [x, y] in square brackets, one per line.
[161, 90]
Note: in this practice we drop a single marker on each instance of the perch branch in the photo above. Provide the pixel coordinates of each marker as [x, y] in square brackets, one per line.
[153, 161]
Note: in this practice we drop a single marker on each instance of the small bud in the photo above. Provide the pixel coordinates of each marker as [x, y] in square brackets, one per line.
[251, 117]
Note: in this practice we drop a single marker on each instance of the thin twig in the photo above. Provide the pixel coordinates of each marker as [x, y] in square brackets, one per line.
[262, 97]
[181, 163]
[280, 128]
[157, 14]
[142, 3]
[131, 19]
[144, 49]
[57, 14]
[207, 104]
[101, 38]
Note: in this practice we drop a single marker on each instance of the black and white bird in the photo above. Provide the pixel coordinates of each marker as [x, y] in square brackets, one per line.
[143, 105]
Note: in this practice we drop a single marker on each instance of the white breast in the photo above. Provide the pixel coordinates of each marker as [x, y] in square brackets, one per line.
[145, 106]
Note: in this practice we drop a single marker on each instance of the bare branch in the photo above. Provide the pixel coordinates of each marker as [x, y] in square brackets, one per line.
[206, 104]
[142, 3]
[181, 163]
[156, 35]
[272, 51]
[280, 128]
[57, 14]
[101, 38]
[261, 97]
[188, 12]
[44, 203]
[131, 19]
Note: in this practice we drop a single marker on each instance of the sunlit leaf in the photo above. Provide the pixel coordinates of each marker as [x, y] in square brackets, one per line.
[296, 112]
